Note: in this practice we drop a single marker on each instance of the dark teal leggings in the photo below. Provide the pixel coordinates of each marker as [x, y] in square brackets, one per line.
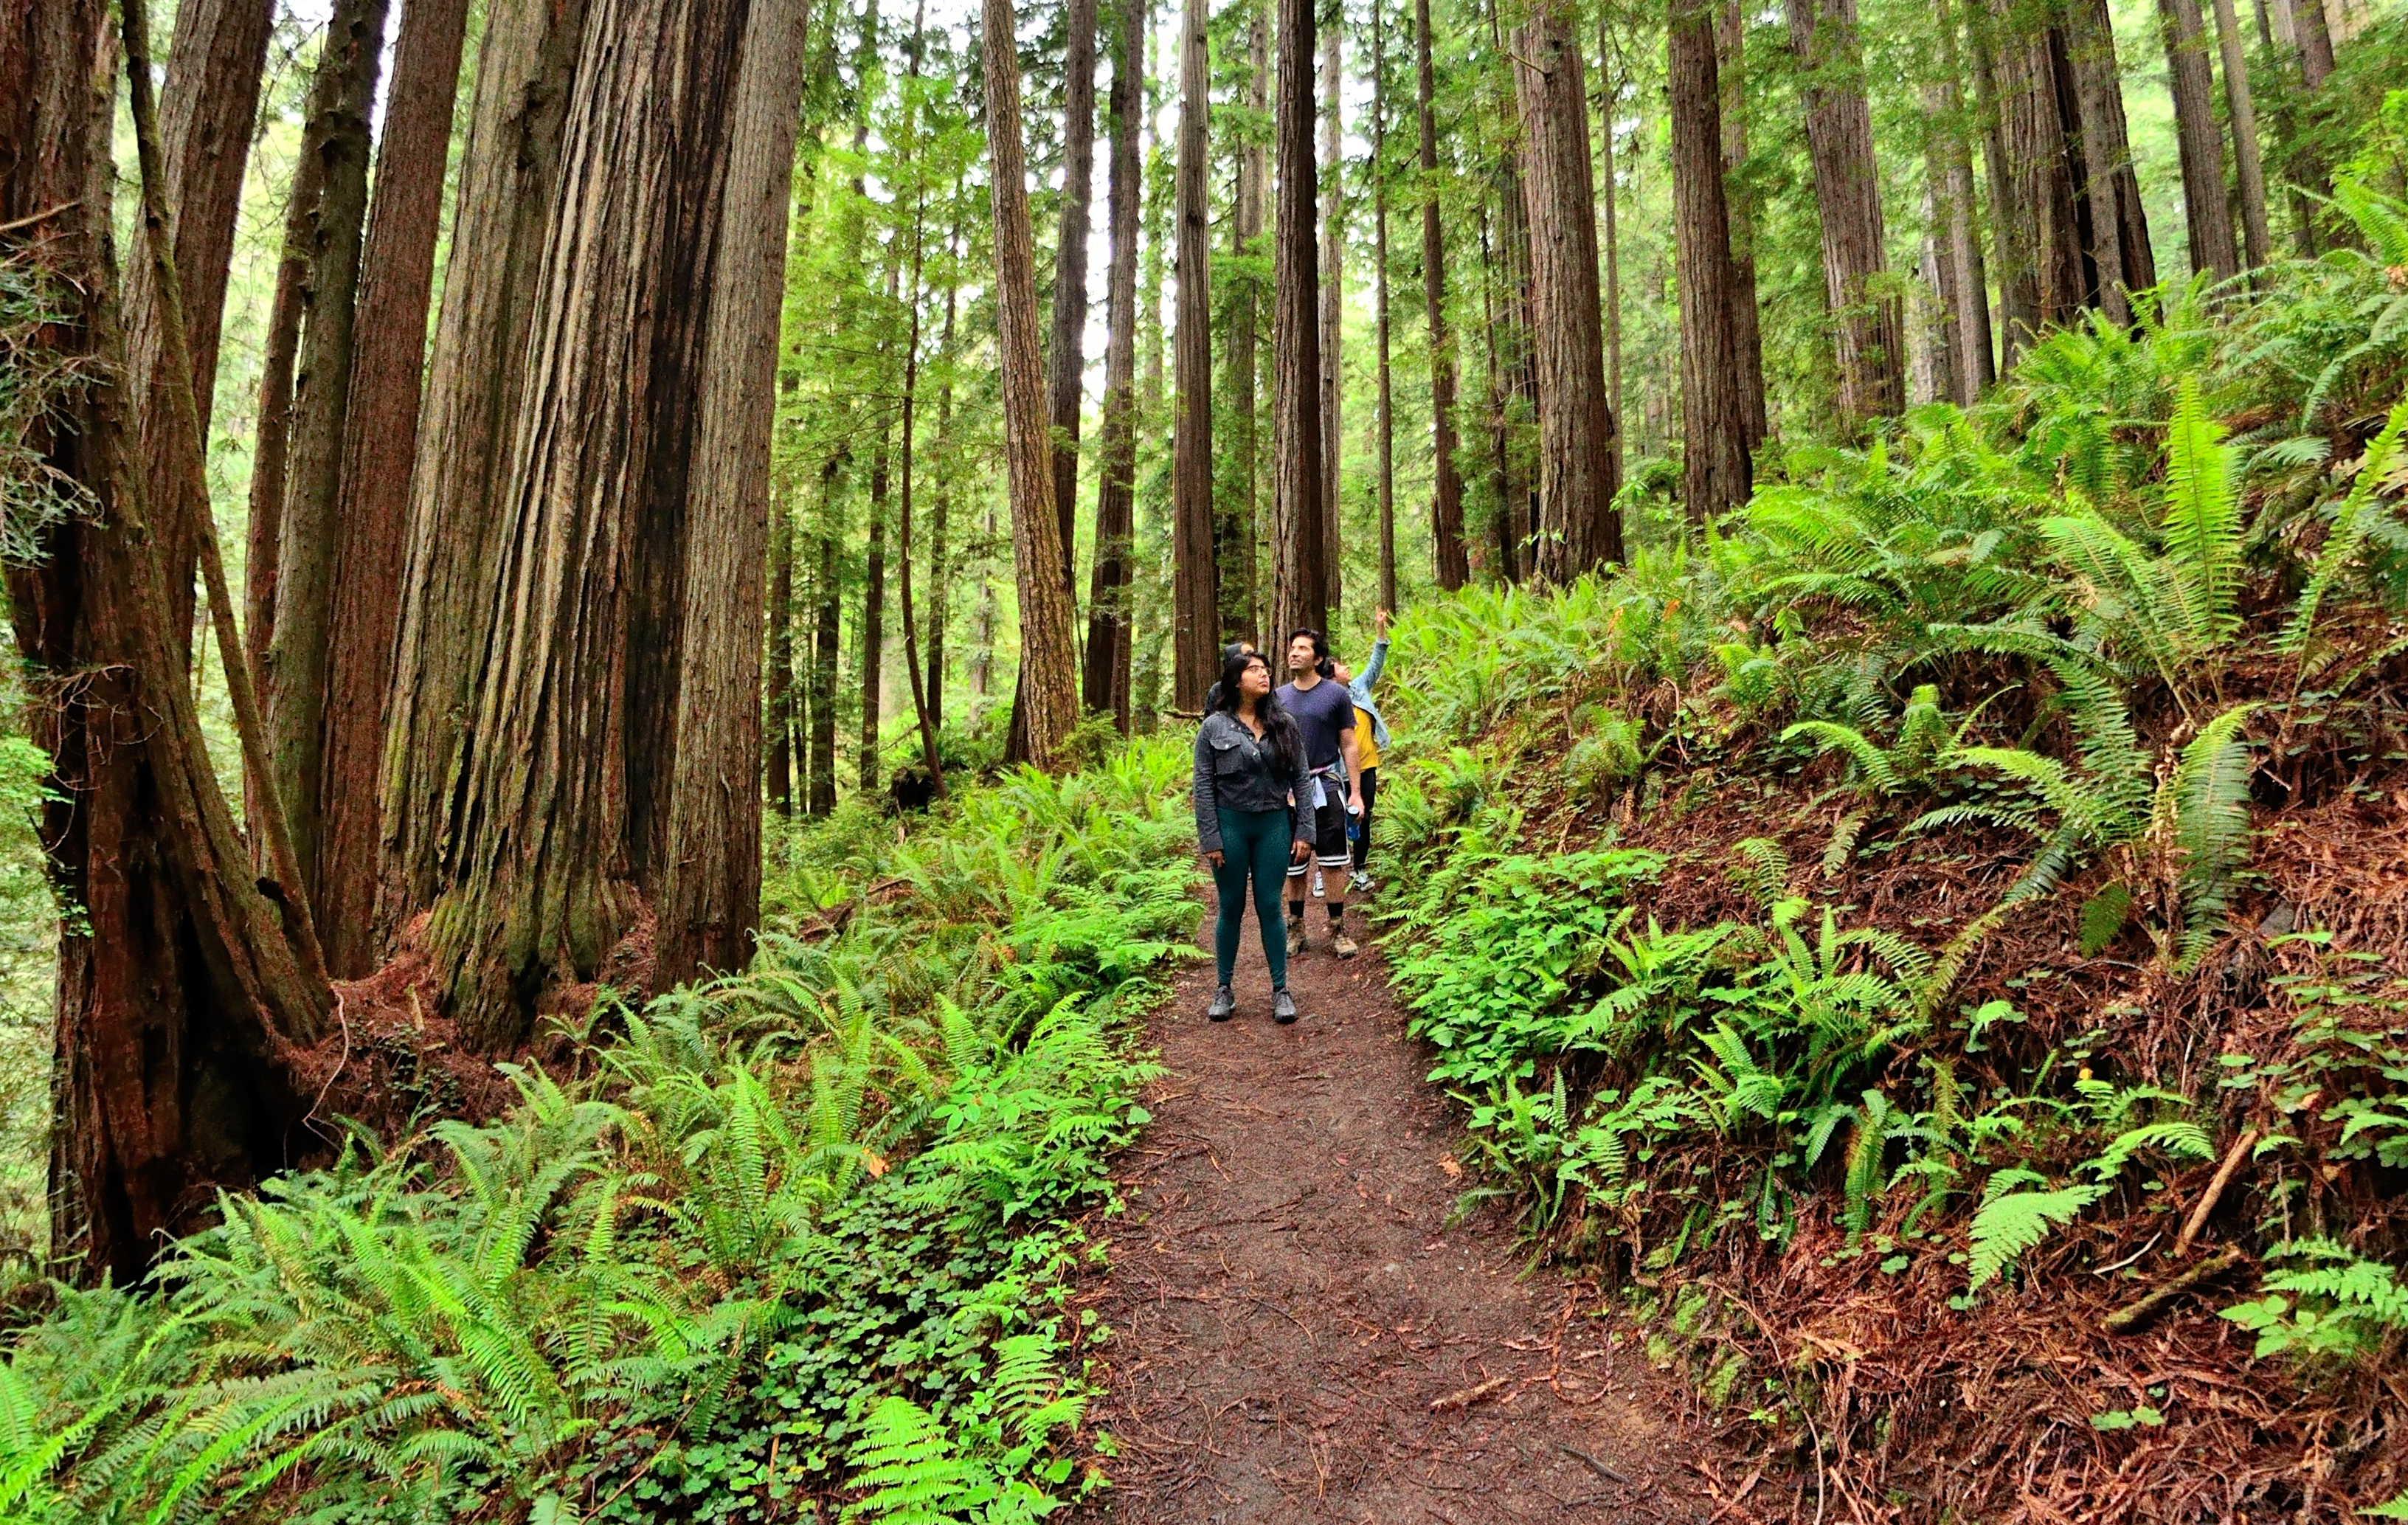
[1255, 844]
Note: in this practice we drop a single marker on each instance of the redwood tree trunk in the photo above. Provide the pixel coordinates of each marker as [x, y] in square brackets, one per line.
[1578, 526]
[780, 772]
[1195, 588]
[1105, 686]
[380, 441]
[1049, 670]
[1333, 307]
[294, 676]
[828, 617]
[179, 1004]
[2052, 266]
[710, 898]
[1868, 329]
[1066, 364]
[1715, 466]
[2119, 227]
[206, 112]
[1388, 443]
[1236, 525]
[1965, 286]
[1609, 105]
[873, 613]
[1738, 194]
[563, 814]
[509, 175]
[1446, 481]
[1299, 577]
[2240, 109]
[2213, 248]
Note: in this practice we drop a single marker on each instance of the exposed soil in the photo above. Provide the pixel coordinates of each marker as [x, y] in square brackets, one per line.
[1299, 1335]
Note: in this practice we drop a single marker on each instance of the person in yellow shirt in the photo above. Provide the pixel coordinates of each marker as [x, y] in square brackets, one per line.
[1371, 735]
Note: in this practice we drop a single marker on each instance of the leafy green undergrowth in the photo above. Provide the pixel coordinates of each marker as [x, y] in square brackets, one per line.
[1867, 927]
[788, 1246]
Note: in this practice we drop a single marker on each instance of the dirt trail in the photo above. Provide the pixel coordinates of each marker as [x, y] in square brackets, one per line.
[1299, 1337]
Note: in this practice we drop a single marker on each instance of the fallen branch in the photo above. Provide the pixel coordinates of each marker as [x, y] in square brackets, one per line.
[1593, 1464]
[2137, 1315]
[1468, 1396]
[2208, 1199]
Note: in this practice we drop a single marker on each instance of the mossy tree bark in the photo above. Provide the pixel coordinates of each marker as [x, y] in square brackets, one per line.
[1195, 586]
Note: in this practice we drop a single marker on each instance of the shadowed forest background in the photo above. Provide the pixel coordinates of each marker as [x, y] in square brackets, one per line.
[607, 599]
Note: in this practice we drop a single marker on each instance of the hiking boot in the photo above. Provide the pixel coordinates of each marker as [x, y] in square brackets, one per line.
[1343, 945]
[1282, 1006]
[1361, 883]
[1224, 1004]
[1295, 937]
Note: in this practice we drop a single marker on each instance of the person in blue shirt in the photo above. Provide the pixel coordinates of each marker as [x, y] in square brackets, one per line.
[1325, 797]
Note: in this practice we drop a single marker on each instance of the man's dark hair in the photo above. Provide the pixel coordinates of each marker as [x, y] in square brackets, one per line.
[1279, 727]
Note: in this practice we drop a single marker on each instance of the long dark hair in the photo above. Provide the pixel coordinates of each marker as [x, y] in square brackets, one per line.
[1279, 727]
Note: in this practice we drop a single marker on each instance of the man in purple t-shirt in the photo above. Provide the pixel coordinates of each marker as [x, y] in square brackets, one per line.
[1324, 714]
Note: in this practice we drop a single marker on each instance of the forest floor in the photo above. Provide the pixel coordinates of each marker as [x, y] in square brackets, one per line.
[1299, 1332]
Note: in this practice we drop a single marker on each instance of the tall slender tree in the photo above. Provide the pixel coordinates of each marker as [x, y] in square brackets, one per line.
[1446, 482]
[371, 521]
[1048, 661]
[2241, 112]
[1866, 325]
[1387, 393]
[930, 757]
[1299, 577]
[1739, 199]
[205, 110]
[1965, 292]
[1194, 587]
[1609, 105]
[940, 517]
[1066, 365]
[1579, 527]
[2118, 232]
[1715, 463]
[1106, 688]
[1333, 297]
[295, 674]
[1238, 527]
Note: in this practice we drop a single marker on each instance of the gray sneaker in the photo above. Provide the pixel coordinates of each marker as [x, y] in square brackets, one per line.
[1282, 1006]
[1343, 945]
[1224, 1004]
[1361, 883]
[1295, 937]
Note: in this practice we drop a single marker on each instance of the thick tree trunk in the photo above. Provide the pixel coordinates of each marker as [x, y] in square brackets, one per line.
[475, 389]
[1066, 365]
[1868, 328]
[929, 757]
[1965, 286]
[206, 112]
[1236, 524]
[2013, 261]
[1578, 526]
[1446, 481]
[1738, 192]
[1106, 688]
[2315, 43]
[371, 523]
[2119, 227]
[2052, 268]
[1387, 441]
[1196, 592]
[1300, 575]
[180, 1001]
[2213, 249]
[1048, 662]
[295, 678]
[2240, 109]
[709, 903]
[563, 814]
[1716, 465]
[1333, 306]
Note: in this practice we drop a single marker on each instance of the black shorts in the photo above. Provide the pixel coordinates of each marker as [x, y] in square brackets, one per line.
[1329, 845]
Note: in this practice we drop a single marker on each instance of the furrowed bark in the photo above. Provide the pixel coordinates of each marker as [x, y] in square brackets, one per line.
[1867, 330]
[1106, 688]
[1578, 528]
[1235, 523]
[1066, 364]
[1738, 195]
[1716, 467]
[2213, 248]
[1387, 440]
[1333, 306]
[1300, 578]
[294, 682]
[371, 523]
[2248, 167]
[1048, 662]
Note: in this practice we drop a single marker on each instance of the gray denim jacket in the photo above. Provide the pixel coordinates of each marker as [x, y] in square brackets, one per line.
[1234, 772]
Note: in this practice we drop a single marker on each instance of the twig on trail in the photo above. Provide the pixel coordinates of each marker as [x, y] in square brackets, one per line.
[2207, 1200]
[1592, 1463]
[2139, 1313]
[1468, 1396]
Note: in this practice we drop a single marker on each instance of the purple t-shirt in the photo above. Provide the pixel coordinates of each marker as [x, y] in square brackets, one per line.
[1324, 712]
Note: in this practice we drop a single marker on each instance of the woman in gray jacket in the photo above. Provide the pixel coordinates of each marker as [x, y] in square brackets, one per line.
[1248, 758]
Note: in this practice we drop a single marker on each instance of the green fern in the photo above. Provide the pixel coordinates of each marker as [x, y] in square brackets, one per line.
[2351, 526]
[2015, 1221]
